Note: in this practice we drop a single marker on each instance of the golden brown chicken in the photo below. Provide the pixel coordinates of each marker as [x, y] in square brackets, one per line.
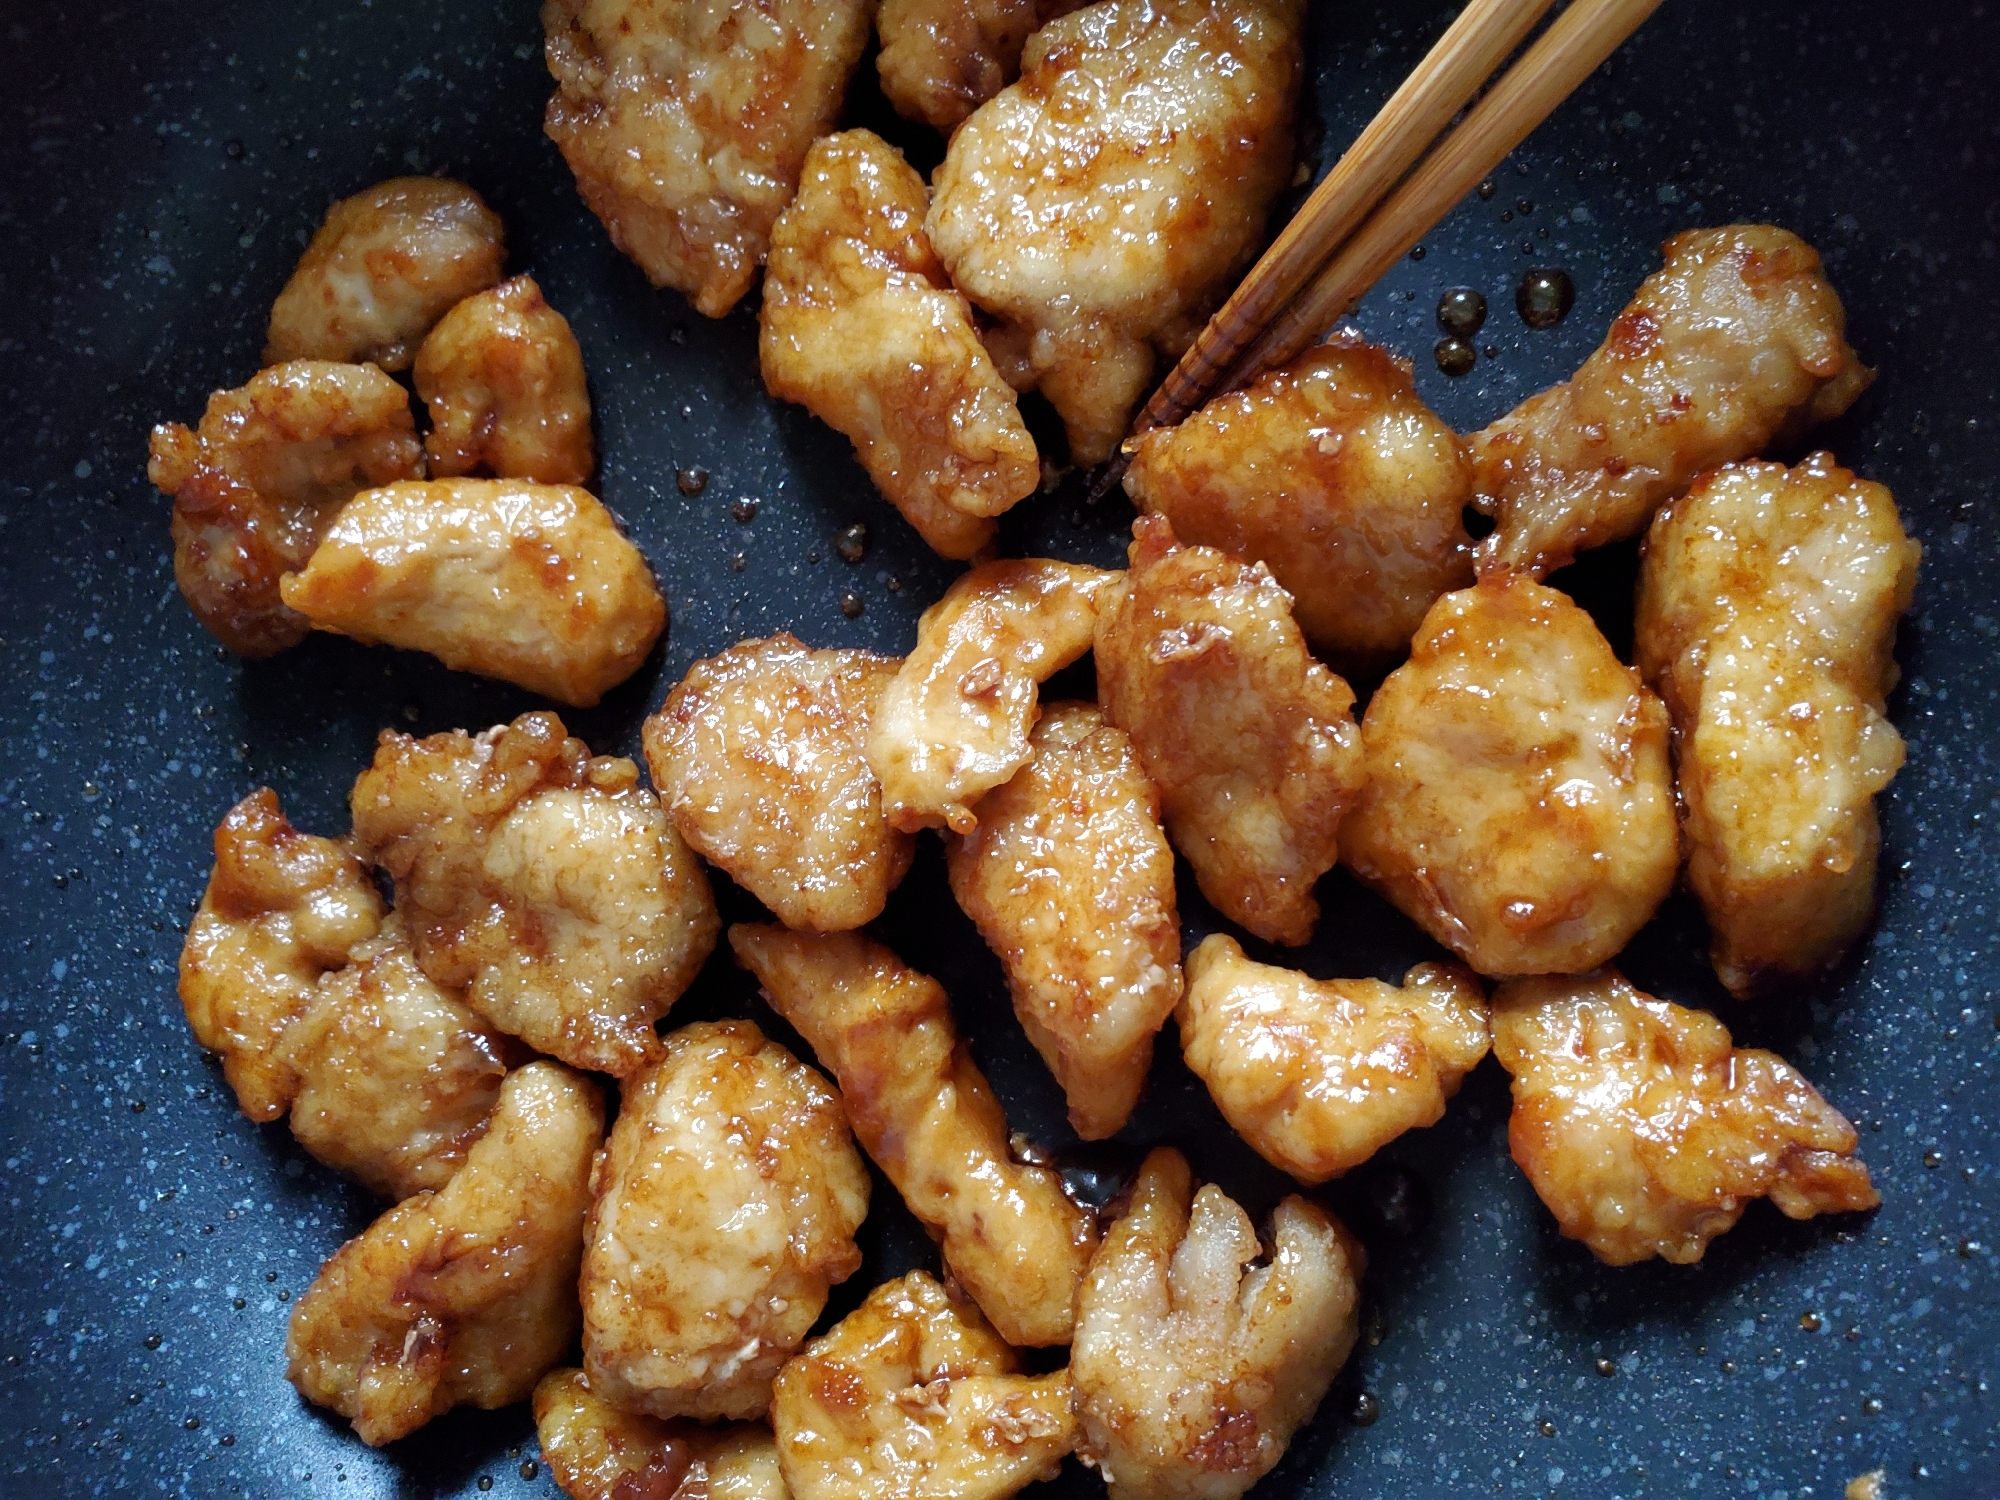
[598, 1451]
[942, 59]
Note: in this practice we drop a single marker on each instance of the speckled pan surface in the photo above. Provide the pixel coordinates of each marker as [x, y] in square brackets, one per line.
[162, 166]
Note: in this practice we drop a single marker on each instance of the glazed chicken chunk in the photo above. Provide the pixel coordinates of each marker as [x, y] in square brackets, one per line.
[1519, 805]
[913, 1395]
[544, 882]
[1193, 1367]
[1647, 1134]
[954, 723]
[1736, 342]
[727, 1202]
[466, 1295]
[942, 59]
[1252, 743]
[922, 1109]
[1768, 602]
[1099, 206]
[862, 328]
[598, 1451]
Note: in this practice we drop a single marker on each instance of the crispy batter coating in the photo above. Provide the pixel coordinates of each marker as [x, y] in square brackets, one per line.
[544, 882]
[862, 327]
[1069, 879]
[1102, 203]
[954, 724]
[942, 59]
[1192, 1373]
[1647, 1134]
[912, 1396]
[465, 1295]
[1736, 342]
[1519, 805]
[1320, 1074]
[727, 1202]
[256, 485]
[1253, 744]
[1334, 475]
[758, 755]
[922, 1109]
[1767, 612]
[503, 378]
[597, 1451]
[281, 909]
[383, 268]
[686, 125]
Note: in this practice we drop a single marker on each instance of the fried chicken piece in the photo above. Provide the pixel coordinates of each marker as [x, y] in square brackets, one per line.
[913, 1396]
[922, 1109]
[727, 1202]
[1647, 1134]
[503, 378]
[686, 125]
[1519, 805]
[954, 724]
[598, 1451]
[256, 485]
[543, 881]
[1069, 879]
[1334, 475]
[758, 755]
[1767, 612]
[1737, 342]
[281, 909]
[466, 1295]
[383, 268]
[1253, 744]
[1192, 1373]
[861, 327]
[533, 584]
[942, 59]
[1101, 205]
[1320, 1074]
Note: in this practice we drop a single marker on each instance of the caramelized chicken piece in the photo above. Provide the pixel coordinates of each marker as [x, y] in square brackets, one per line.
[1737, 342]
[598, 1451]
[1100, 206]
[383, 268]
[726, 1206]
[1191, 1371]
[1252, 743]
[758, 755]
[256, 485]
[543, 881]
[686, 125]
[921, 1108]
[862, 328]
[281, 909]
[912, 1395]
[1646, 1133]
[954, 724]
[466, 1295]
[1519, 805]
[942, 59]
[1768, 602]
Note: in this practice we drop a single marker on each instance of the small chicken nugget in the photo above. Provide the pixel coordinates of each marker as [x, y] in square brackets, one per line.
[598, 1451]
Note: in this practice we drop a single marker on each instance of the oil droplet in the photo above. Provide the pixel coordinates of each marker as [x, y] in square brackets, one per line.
[1455, 357]
[1729, 1367]
[691, 481]
[1933, 1159]
[1461, 312]
[1969, 1248]
[1506, 216]
[1486, 188]
[412, 711]
[486, 1481]
[229, 1440]
[92, 789]
[1810, 1322]
[232, 148]
[851, 542]
[744, 509]
[1607, 1366]
[736, 562]
[1547, 1429]
[1544, 296]
[851, 605]
[152, 1341]
[238, 1303]
[192, 1424]
[1364, 1409]
[530, 1469]
[895, 584]
[812, 554]
[1525, 207]
[1853, 1335]
[1418, 253]
[1872, 1406]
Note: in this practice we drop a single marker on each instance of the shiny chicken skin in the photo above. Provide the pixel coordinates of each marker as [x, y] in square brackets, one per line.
[1252, 743]
[1193, 1367]
[1767, 612]
[1736, 342]
[598, 1451]
[1099, 206]
[1070, 881]
[1519, 806]
[383, 268]
[727, 1202]
[686, 124]
[912, 1396]
[257, 483]
[922, 1109]
[759, 758]
[466, 1295]
[544, 882]
[942, 59]
[954, 723]
[1646, 1134]
[861, 326]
